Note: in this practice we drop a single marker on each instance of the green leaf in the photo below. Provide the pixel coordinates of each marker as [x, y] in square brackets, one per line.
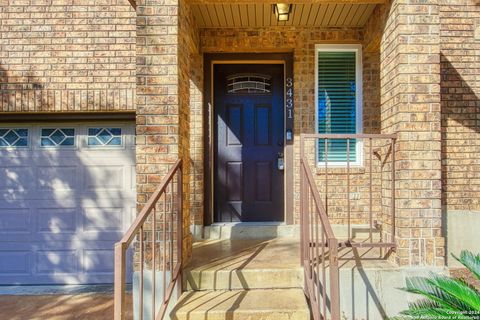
[445, 297]
[470, 261]
[458, 289]
[423, 286]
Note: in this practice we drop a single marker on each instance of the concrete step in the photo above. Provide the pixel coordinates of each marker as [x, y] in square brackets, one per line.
[246, 230]
[243, 279]
[244, 264]
[273, 304]
[265, 230]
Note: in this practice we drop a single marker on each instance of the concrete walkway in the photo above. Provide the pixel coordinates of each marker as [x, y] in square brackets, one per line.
[57, 307]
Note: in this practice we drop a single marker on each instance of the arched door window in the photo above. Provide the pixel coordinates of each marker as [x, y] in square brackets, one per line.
[249, 83]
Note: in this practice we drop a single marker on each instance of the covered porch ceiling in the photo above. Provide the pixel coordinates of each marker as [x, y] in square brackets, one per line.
[256, 14]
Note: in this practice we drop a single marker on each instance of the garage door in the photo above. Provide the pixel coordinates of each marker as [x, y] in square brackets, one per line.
[67, 195]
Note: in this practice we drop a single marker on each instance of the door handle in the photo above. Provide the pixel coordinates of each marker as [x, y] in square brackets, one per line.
[280, 161]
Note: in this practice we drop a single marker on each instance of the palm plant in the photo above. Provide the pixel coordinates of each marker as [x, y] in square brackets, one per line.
[446, 297]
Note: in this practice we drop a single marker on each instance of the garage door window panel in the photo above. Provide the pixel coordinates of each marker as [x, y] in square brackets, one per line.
[58, 137]
[104, 137]
[13, 137]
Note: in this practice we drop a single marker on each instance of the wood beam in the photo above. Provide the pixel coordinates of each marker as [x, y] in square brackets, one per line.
[287, 1]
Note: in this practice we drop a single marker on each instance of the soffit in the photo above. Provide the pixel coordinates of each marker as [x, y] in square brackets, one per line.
[261, 15]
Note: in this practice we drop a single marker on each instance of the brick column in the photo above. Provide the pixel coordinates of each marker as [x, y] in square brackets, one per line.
[165, 40]
[410, 97]
[157, 92]
[159, 115]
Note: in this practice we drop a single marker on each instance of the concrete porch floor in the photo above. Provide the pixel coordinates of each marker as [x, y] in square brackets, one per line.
[58, 307]
[246, 254]
[244, 264]
[276, 253]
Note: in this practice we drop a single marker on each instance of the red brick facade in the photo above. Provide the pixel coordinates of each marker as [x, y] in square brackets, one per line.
[419, 81]
[459, 68]
[410, 106]
[67, 55]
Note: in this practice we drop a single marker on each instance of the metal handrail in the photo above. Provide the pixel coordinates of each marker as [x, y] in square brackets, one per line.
[319, 244]
[318, 202]
[312, 240]
[138, 229]
[390, 141]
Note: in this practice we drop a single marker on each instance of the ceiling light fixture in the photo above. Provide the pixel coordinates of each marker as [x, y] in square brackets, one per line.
[282, 11]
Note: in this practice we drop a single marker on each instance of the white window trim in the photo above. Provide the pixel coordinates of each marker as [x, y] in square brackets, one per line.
[357, 48]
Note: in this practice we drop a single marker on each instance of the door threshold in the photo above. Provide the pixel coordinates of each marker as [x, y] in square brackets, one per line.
[250, 230]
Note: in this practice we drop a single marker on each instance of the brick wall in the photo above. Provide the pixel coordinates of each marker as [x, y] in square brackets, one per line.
[78, 55]
[157, 93]
[67, 55]
[196, 141]
[190, 109]
[167, 47]
[191, 86]
[410, 106]
[158, 112]
[460, 88]
[302, 42]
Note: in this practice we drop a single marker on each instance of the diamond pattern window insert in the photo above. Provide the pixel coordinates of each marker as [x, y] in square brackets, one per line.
[13, 137]
[104, 137]
[58, 137]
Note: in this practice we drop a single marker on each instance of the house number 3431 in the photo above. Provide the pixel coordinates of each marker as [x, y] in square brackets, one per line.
[289, 102]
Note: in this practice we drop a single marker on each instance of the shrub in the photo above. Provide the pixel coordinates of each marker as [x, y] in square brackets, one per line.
[446, 297]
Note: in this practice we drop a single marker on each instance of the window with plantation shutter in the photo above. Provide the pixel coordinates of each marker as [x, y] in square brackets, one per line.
[338, 95]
